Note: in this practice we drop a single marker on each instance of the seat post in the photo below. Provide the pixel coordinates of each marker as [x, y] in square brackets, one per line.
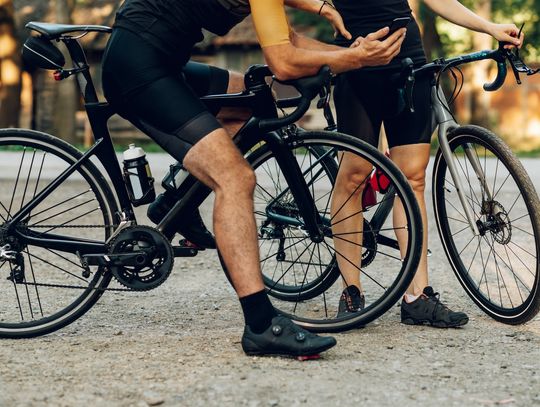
[84, 78]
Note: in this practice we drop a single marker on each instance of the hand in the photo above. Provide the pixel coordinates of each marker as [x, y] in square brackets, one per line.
[506, 33]
[334, 18]
[373, 52]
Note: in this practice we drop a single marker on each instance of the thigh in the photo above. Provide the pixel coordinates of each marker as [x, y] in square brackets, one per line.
[412, 128]
[155, 96]
[206, 79]
[355, 115]
[170, 112]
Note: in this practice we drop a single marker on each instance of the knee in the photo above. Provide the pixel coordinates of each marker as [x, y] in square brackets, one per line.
[416, 175]
[239, 182]
[352, 182]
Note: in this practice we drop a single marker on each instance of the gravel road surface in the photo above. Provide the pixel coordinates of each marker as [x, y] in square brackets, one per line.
[179, 346]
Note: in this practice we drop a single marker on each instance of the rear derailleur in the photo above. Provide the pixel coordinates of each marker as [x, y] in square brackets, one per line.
[16, 261]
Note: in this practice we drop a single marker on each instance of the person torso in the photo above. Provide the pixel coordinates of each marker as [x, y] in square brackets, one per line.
[362, 17]
[172, 25]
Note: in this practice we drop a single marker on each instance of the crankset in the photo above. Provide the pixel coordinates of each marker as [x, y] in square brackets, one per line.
[140, 258]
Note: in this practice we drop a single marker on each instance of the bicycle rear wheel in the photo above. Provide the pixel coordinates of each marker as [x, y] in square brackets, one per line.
[499, 268]
[302, 275]
[42, 290]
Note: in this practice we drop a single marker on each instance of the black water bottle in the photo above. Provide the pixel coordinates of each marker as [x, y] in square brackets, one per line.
[138, 177]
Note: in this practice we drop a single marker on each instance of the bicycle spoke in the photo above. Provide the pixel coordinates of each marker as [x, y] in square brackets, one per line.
[357, 267]
[16, 183]
[57, 267]
[34, 281]
[28, 179]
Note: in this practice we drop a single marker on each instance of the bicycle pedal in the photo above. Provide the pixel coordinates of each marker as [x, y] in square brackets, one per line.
[185, 250]
[184, 243]
[308, 357]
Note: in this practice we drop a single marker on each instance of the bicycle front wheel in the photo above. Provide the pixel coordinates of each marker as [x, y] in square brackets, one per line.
[41, 289]
[302, 274]
[499, 267]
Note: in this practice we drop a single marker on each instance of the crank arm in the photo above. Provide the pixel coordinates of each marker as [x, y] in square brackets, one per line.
[120, 259]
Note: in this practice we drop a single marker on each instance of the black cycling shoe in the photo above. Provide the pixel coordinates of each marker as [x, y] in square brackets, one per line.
[429, 310]
[192, 228]
[351, 300]
[195, 231]
[285, 338]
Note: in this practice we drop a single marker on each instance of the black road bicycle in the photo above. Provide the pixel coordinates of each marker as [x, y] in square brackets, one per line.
[486, 209]
[65, 233]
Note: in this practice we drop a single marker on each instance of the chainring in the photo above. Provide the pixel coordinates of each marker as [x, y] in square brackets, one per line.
[158, 263]
[369, 244]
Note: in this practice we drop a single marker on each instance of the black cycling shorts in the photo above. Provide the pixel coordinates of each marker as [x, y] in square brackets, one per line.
[366, 99]
[159, 97]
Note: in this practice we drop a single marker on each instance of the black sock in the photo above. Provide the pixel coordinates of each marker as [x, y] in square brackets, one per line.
[258, 311]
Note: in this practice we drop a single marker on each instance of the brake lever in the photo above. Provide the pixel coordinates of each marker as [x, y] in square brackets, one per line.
[513, 63]
[323, 96]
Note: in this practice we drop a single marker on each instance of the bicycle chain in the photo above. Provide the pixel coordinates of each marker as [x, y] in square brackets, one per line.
[78, 287]
[72, 226]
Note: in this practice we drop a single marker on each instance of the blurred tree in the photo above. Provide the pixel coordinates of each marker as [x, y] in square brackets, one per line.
[10, 67]
[66, 95]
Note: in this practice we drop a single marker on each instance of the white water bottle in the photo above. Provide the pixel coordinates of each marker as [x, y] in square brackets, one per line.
[138, 177]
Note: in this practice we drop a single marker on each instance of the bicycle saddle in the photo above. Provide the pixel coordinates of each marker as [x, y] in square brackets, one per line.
[53, 31]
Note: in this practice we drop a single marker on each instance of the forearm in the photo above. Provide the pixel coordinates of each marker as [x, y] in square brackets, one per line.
[301, 41]
[457, 13]
[296, 62]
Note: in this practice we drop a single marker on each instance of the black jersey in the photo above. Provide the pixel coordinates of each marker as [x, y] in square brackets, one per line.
[362, 17]
[172, 24]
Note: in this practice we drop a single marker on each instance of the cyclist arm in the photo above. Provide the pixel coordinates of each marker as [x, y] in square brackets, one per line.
[289, 61]
[301, 41]
[457, 13]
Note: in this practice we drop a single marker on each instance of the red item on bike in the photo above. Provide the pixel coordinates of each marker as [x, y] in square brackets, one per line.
[379, 181]
[369, 197]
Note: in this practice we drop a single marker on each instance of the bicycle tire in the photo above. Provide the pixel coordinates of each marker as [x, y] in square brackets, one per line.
[392, 290]
[501, 230]
[42, 305]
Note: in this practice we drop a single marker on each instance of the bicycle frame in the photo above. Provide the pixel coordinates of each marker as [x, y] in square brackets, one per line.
[258, 97]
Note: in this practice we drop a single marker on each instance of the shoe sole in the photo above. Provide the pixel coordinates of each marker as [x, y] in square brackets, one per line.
[436, 324]
[312, 355]
[285, 355]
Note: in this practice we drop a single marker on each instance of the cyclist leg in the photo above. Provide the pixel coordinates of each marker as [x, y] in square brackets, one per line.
[157, 99]
[408, 137]
[352, 177]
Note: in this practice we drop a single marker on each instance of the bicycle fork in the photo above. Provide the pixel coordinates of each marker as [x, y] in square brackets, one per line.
[447, 123]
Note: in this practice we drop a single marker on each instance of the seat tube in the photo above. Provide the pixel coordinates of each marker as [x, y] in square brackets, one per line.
[446, 123]
[296, 182]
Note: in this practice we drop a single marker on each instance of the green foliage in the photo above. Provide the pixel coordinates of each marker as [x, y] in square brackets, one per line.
[319, 26]
[455, 41]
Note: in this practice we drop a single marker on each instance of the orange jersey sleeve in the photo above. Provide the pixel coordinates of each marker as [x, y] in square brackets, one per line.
[270, 22]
